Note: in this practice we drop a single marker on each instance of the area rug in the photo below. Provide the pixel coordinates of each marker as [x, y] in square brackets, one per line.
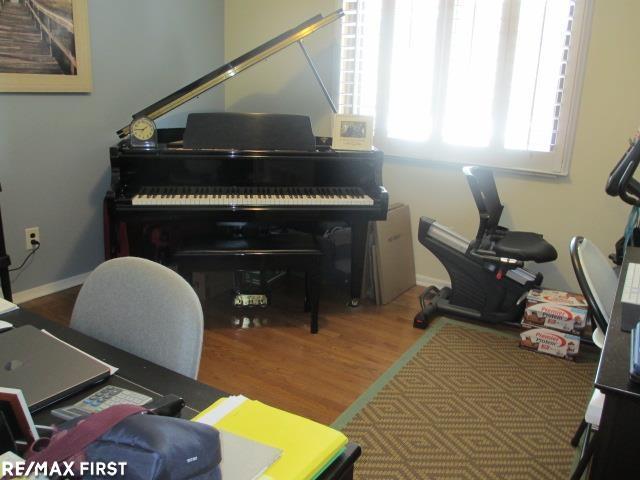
[466, 402]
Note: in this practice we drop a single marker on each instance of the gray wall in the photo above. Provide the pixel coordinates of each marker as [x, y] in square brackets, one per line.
[54, 163]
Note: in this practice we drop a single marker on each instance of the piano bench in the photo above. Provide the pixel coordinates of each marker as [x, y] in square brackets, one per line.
[274, 252]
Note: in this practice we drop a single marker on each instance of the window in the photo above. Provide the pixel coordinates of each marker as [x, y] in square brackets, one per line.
[486, 82]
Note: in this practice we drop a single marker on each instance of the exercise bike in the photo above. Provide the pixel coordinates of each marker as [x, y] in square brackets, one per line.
[488, 278]
[621, 183]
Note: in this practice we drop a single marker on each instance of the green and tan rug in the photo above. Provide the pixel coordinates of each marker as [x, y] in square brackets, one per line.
[466, 403]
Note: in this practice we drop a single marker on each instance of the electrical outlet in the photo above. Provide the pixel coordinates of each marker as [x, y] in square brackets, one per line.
[32, 233]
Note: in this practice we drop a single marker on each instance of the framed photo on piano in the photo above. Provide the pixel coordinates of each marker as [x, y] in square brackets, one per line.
[50, 50]
[352, 132]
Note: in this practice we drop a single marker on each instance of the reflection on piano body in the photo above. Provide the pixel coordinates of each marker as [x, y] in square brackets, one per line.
[226, 167]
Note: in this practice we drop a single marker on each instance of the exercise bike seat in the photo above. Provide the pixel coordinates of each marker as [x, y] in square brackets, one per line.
[525, 246]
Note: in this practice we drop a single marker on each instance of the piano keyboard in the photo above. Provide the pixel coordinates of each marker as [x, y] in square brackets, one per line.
[252, 196]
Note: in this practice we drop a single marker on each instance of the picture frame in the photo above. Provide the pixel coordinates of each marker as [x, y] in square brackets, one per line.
[352, 132]
[15, 416]
[61, 61]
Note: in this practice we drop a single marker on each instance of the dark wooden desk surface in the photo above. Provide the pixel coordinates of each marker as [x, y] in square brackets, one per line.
[618, 452]
[613, 370]
[160, 381]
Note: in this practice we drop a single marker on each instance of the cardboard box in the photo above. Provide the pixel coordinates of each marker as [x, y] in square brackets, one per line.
[551, 342]
[390, 268]
[563, 311]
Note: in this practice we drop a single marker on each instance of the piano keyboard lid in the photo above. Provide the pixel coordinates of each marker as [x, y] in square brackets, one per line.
[223, 73]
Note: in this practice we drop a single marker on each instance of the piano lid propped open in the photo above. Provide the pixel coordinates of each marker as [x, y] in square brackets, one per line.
[223, 73]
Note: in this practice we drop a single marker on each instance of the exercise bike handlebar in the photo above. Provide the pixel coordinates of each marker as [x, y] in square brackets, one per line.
[491, 256]
[621, 182]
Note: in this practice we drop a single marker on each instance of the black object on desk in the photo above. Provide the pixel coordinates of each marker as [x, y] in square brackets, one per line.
[153, 380]
[618, 452]
[168, 406]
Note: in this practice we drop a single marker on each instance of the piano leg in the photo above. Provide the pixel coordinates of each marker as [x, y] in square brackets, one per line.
[5, 263]
[110, 228]
[5, 280]
[358, 246]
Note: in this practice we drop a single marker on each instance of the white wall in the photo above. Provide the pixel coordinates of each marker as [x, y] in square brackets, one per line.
[54, 160]
[284, 83]
[557, 207]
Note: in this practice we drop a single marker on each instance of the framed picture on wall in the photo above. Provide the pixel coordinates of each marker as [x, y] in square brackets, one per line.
[352, 132]
[48, 48]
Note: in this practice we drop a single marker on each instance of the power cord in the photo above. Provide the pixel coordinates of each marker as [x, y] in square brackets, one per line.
[36, 245]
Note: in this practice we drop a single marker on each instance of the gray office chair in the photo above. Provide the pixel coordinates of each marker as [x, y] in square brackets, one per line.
[596, 278]
[598, 283]
[144, 308]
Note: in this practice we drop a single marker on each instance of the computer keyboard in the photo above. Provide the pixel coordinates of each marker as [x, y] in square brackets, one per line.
[98, 401]
[630, 298]
[631, 289]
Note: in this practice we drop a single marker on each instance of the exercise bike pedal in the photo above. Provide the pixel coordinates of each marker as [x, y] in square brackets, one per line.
[420, 321]
[431, 292]
[445, 293]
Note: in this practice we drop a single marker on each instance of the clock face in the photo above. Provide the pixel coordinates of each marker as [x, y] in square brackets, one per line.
[142, 129]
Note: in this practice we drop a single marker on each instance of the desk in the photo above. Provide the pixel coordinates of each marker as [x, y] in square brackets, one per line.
[136, 371]
[618, 455]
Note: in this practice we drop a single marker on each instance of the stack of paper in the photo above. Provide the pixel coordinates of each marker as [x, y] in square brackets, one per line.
[307, 447]
[244, 459]
[7, 306]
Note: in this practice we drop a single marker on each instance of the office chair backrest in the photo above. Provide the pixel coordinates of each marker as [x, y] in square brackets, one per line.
[485, 194]
[596, 278]
[144, 308]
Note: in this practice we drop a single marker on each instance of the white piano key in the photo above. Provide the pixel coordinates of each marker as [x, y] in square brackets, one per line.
[277, 196]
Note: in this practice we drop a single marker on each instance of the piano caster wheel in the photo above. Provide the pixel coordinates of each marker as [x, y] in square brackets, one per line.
[355, 302]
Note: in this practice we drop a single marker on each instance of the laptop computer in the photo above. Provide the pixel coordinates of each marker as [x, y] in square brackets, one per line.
[44, 368]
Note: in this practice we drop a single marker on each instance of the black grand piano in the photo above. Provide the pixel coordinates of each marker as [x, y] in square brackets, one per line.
[263, 170]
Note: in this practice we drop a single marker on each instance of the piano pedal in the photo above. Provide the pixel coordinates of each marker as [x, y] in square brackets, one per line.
[250, 300]
[354, 302]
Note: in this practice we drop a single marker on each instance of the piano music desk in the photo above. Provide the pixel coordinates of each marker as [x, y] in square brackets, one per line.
[273, 252]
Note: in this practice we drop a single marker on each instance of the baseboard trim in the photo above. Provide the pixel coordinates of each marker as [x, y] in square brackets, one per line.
[427, 281]
[49, 288]
[53, 287]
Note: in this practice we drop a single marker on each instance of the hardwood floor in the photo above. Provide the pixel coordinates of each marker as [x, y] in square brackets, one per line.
[269, 354]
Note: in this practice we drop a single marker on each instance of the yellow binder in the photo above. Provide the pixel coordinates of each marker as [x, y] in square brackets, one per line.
[307, 446]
